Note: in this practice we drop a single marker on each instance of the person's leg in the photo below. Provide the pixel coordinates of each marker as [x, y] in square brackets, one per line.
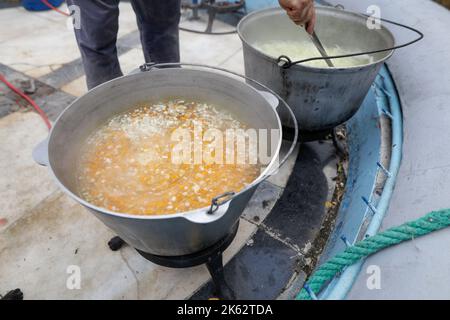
[97, 39]
[158, 25]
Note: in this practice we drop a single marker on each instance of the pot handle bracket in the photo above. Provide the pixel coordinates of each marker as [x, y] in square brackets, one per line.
[40, 153]
[217, 201]
[147, 66]
[219, 207]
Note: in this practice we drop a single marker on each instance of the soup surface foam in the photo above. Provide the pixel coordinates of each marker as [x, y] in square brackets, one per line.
[126, 165]
[299, 50]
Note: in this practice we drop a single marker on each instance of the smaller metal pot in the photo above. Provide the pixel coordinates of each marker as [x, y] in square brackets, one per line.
[321, 98]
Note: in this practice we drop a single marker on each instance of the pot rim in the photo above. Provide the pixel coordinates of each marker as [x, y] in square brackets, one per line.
[262, 177]
[303, 66]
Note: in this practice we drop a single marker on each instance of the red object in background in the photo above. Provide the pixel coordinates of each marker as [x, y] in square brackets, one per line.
[40, 5]
[45, 2]
[29, 100]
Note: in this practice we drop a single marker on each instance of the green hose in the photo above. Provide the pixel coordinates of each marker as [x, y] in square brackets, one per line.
[433, 221]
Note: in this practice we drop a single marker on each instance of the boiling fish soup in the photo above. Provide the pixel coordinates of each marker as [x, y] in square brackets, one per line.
[126, 165]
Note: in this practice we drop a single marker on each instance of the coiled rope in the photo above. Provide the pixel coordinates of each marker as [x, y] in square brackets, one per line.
[431, 222]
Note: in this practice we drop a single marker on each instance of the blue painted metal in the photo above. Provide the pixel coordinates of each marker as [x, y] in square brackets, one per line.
[364, 141]
[253, 5]
[346, 242]
[37, 5]
[387, 99]
[369, 205]
[386, 171]
[310, 292]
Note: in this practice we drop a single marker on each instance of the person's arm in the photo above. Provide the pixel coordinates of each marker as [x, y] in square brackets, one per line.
[302, 12]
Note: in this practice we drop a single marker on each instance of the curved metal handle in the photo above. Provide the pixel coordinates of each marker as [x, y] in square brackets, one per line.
[40, 153]
[216, 202]
[285, 62]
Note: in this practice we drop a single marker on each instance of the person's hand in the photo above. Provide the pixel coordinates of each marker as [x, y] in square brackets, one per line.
[302, 12]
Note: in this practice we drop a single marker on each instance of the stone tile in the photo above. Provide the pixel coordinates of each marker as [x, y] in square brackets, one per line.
[235, 63]
[208, 49]
[14, 19]
[76, 87]
[34, 70]
[131, 60]
[326, 153]
[64, 74]
[60, 233]
[71, 71]
[55, 235]
[47, 44]
[267, 268]
[297, 216]
[51, 101]
[9, 4]
[54, 103]
[200, 24]
[38, 45]
[282, 175]
[23, 183]
[127, 19]
[191, 45]
[128, 62]
[261, 270]
[156, 282]
[262, 202]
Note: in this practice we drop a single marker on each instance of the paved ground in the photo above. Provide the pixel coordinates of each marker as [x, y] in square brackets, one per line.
[418, 269]
[43, 232]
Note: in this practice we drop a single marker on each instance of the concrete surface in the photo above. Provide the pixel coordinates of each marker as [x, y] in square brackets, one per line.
[34, 185]
[273, 263]
[418, 269]
[56, 45]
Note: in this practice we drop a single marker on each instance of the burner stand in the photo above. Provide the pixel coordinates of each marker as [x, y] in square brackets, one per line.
[211, 256]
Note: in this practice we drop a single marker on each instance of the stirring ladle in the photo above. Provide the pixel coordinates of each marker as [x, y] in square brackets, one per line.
[319, 46]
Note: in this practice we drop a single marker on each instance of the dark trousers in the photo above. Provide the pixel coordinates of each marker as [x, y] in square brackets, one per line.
[157, 21]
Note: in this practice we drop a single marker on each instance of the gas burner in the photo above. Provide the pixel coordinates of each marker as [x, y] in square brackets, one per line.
[211, 256]
[212, 8]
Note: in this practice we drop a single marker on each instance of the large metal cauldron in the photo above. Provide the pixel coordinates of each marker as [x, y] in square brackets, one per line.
[321, 98]
[166, 235]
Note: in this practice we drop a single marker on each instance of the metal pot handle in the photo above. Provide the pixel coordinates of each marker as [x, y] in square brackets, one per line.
[202, 217]
[40, 153]
[267, 94]
[285, 62]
